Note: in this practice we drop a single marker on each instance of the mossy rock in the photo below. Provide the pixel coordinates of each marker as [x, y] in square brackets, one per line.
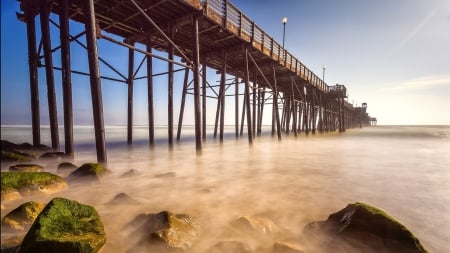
[16, 156]
[66, 166]
[87, 172]
[122, 199]
[369, 229]
[16, 184]
[21, 218]
[65, 226]
[166, 231]
[26, 168]
[52, 155]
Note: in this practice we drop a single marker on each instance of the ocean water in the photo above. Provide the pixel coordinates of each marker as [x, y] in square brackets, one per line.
[404, 170]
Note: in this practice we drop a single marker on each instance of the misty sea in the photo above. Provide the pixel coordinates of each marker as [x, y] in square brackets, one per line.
[404, 170]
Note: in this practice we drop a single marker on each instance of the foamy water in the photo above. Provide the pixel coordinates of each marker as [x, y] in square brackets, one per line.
[402, 170]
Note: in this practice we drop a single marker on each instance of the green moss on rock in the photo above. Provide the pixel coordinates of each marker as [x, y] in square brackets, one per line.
[27, 168]
[65, 226]
[16, 156]
[21, 218]
[27, 183]
[88, 171]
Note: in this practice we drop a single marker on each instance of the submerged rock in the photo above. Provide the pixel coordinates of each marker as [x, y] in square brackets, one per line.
[65, 226]
[26, 168]
[21, 218]
[165, 231]
[89, 172]
[230, 247]
[255, 225]
[130, 173]
[363, 228]
[121, 199]
[17, 184]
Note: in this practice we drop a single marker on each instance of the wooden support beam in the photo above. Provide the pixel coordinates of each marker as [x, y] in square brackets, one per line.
[51, 93]
[183, 101]
[151, 119]
[255, 83]
[222, 94]
[236, 106]
[30, 14]
[196, 78]
[130, 83]
[171, 52]
[276, 111]
[66, 78]
[204, 84]
[96, 91]
[247, 96]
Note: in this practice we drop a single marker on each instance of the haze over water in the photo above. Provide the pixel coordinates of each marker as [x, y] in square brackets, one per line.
[404, 170]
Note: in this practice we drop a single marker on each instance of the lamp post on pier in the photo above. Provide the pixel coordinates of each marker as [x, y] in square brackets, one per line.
[323, 73]
[284, 20]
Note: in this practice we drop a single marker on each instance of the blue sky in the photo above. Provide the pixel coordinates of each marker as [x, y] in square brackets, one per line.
[394, 55]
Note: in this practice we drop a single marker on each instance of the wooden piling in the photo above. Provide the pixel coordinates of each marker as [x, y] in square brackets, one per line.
[30, 14]
[66, 78]
[183, 102]
[247, 96]
[222, 94]
[236, 106]
[51, 93]
[96, 90]
[196, 78]
[204, 100]
[130, 83]
[151, 119]
[171, 52]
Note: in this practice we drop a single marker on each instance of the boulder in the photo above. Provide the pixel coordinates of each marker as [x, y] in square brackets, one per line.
[165, 231]
[65, 226]
[364, 228]
[14, 185]
[66, 166]
[26, 168]
[16, 156]
[21, 218]
[255, 225]
[122, 199]
[52, 155]
[129, 173]
[286, 247]
[89, 172]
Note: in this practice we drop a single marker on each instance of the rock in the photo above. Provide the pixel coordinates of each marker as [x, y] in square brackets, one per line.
[26, 168]
[365, 228]
[21, 218]
[166, 175]
[121, 199]
[130, 173]
[230, 247]
[255, 225]
[11, 243]
[88, 172]
[66, 166]
[165, 231]
[65, 226]
[7, 145]
[286, 247]
[16, 156]
[52, 155]
[17, 184]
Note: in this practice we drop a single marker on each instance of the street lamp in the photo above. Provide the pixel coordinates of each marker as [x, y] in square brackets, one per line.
[284, 20]
[323, 73]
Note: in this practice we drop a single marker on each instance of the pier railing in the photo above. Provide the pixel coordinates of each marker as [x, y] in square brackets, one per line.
[223, 13]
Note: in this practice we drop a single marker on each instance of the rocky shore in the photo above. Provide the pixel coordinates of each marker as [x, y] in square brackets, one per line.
[67, 225]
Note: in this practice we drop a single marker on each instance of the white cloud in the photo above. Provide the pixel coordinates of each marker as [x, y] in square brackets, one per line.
[419, 83]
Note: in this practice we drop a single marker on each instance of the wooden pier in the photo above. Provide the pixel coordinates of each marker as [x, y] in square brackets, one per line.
[202, 34]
